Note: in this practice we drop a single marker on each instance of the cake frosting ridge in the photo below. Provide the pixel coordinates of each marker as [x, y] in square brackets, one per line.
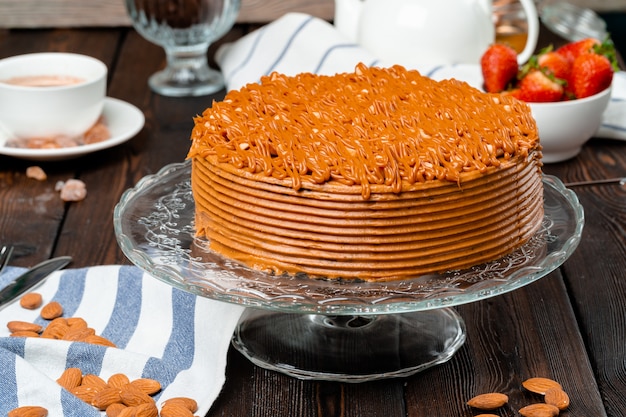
[378, 174]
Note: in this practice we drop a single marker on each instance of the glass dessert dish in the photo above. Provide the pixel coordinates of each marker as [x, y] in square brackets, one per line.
[337, 330]
[185, 29]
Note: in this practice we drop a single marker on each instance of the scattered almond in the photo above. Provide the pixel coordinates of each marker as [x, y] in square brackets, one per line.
[557, 397]
[78, 334]
[118, 380]
[133, 396]
[189, 403]
[127, 412]
[56, 329]
[77, 323]
[146, 410]
[114, 410]
[85, 392]
[28, 411]
[60, 328]
[106, 397]
[23, 326]
[70, 378]
[175, 410]
[94, 381]
[539, 410]
[118, 396]
[540, 385]
[52, 310]
[24, 333]
[98, 340]
[488, 401]
[31, 301]
[147, 385]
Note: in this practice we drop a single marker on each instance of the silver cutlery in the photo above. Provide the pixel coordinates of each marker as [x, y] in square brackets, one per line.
[621, 181]
[31, 278]
[5, 256]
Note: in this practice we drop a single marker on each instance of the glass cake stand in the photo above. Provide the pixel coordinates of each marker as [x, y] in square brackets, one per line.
[350, 331]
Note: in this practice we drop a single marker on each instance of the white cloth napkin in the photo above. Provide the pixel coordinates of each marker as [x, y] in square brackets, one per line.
[297, 43]
[161, 332]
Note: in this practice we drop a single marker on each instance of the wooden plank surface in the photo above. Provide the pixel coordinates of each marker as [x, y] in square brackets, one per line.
[77, 13]
[570, 325]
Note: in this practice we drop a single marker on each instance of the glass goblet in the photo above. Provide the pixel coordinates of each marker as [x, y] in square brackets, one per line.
[185, 29]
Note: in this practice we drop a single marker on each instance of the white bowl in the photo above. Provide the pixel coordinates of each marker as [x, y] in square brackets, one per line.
[28, 111]
[565, 126]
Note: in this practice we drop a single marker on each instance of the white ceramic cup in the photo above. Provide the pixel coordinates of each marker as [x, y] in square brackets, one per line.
[50, 111]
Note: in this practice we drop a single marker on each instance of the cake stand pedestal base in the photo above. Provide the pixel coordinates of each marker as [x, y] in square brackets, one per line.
[349, 348]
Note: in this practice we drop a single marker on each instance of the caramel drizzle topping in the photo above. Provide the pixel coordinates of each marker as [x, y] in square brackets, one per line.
[375, 126]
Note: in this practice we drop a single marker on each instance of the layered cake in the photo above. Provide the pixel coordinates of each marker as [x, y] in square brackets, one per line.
[381, 174]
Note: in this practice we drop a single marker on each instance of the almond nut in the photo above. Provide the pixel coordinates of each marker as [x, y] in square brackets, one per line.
[127, 412]
[52, 310]
[175, 410]
[31, 300]
[24, 333]
[540, 385]
[146, 410]
[105, 397]
[20, 326]
[133, 396]
[94, 381]
[539, 410]
[76, 322]
[118, 380]
[70, 378]
[486, 415]
[85, 393]
[114, 410]
[557, 397]
[186, 402]
[94, 339]
[489, 401]
[78, 334]
[28, 411]
[147, 385]
[55, 329]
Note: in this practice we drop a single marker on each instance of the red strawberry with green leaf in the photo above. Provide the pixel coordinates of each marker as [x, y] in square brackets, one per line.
[537, 87]
[591, 73]
[499, 67]
[573, 50]
[555, 64]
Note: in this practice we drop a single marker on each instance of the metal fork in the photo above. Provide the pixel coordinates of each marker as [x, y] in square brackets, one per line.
[5, 256]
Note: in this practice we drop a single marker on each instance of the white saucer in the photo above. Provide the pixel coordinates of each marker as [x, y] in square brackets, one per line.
[122, 119]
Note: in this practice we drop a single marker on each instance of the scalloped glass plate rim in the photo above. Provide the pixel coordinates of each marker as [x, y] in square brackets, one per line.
[327, 296]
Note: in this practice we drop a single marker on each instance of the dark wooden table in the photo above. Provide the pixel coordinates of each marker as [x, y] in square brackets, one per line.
[570, 325]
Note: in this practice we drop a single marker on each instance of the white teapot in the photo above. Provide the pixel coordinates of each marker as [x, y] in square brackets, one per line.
[421, 33]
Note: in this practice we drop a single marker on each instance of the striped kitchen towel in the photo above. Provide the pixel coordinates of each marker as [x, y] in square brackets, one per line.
[160, 332]
[298, 42]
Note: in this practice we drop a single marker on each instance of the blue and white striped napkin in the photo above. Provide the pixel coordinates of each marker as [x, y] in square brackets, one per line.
[297, 43]
[161, 332]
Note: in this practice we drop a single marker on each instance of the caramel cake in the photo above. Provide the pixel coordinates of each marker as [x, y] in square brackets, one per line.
[380, 174]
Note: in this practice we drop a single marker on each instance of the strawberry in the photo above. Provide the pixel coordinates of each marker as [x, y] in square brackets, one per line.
[555, 64]
[536, 87]
[591, 73]
[573, 50]
[499, 67]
